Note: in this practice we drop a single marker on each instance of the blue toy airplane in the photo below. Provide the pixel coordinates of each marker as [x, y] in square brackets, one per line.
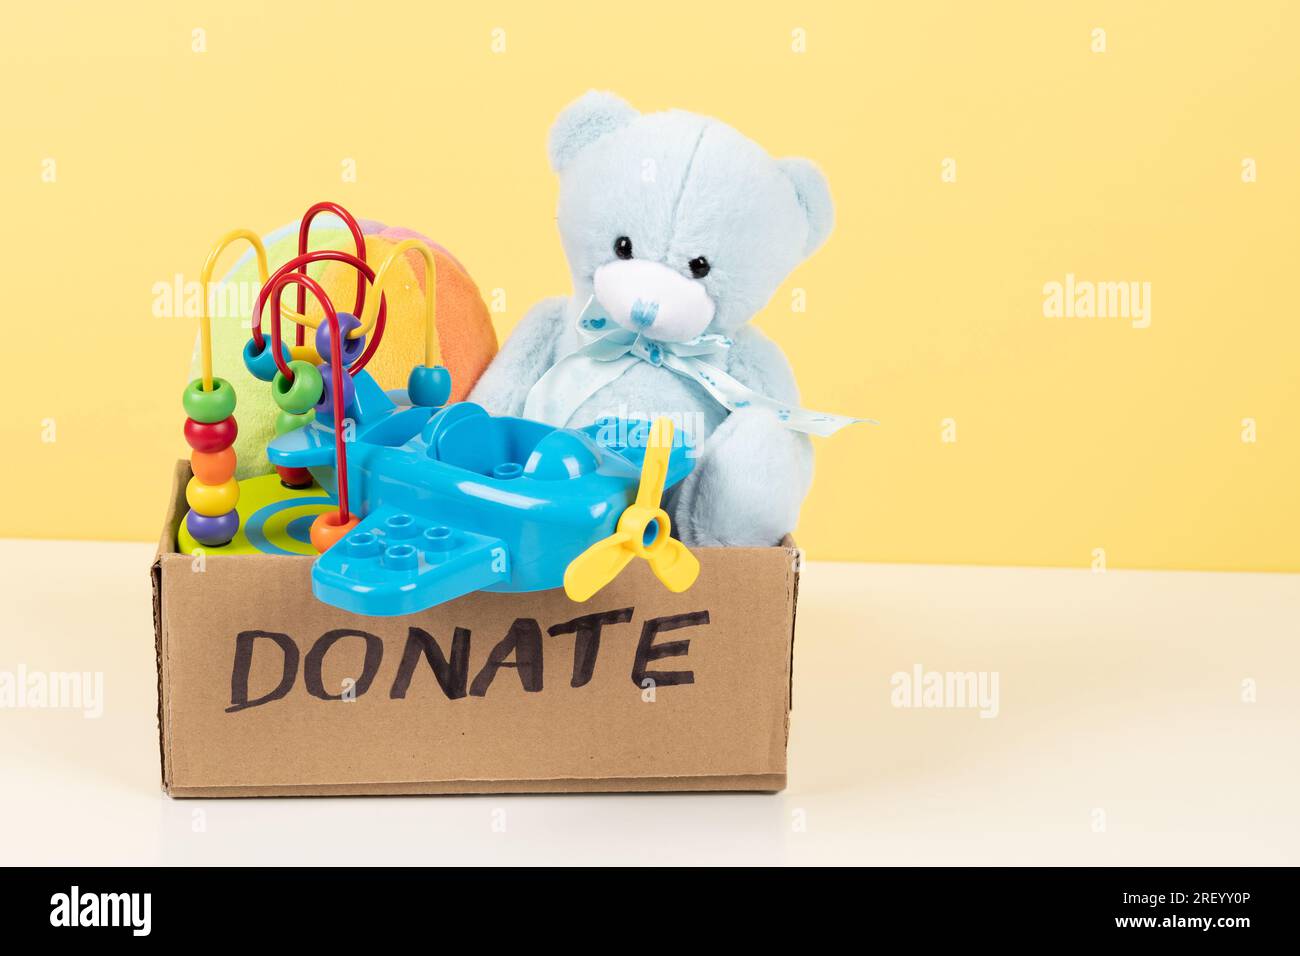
[456, 500]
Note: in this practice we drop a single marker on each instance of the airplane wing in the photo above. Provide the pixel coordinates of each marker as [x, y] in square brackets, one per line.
[304, 447]
[378, 418]
[396, 563]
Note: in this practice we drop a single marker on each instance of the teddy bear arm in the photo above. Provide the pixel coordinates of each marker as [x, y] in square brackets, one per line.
[748, 484]
[525, 357]
[753, 473]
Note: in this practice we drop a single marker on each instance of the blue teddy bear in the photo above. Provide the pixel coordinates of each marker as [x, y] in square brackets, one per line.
[677, 229]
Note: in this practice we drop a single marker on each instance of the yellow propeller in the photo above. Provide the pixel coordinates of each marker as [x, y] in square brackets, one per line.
[643, 531]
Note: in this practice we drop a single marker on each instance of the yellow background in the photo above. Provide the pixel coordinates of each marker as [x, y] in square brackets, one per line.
[925, 305]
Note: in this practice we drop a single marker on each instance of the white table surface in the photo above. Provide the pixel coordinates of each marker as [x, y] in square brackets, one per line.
[1122, 736]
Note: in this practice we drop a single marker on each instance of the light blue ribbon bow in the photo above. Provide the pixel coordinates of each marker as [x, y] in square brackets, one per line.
[611, 350]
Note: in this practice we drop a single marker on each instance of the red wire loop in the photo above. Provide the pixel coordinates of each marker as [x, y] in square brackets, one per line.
[303, 229]
[321, 255]
[305, 258]
[307, 284]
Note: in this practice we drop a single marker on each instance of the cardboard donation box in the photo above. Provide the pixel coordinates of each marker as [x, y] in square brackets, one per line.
[266, 691]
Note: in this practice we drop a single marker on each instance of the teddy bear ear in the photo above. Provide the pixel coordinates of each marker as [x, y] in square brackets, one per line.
[815, 197]
[593, 115]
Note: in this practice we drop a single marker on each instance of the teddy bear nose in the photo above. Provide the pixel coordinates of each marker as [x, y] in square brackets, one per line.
[643, 314]
[651, 299]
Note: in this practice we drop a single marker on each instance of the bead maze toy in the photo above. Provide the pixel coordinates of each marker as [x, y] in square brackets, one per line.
[407, 501]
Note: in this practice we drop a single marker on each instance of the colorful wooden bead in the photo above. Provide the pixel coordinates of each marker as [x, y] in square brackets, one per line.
[351, 349]
[286, 422]
[429, 387]
[302, 394]
[212, 531]
[211, 436]
[326, 404]
[213, 467]
[327, 530]
[212, 500]
[261, 362]
[210, 406]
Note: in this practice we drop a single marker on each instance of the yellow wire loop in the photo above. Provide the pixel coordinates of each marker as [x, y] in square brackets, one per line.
[371, 311]
[368, 316]
[205, 323]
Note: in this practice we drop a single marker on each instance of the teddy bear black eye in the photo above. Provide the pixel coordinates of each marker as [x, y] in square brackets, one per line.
[699, 267]
[623, 247]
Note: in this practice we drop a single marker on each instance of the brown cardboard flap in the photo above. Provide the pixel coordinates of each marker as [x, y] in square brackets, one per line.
[176, 508]
[263, 690]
